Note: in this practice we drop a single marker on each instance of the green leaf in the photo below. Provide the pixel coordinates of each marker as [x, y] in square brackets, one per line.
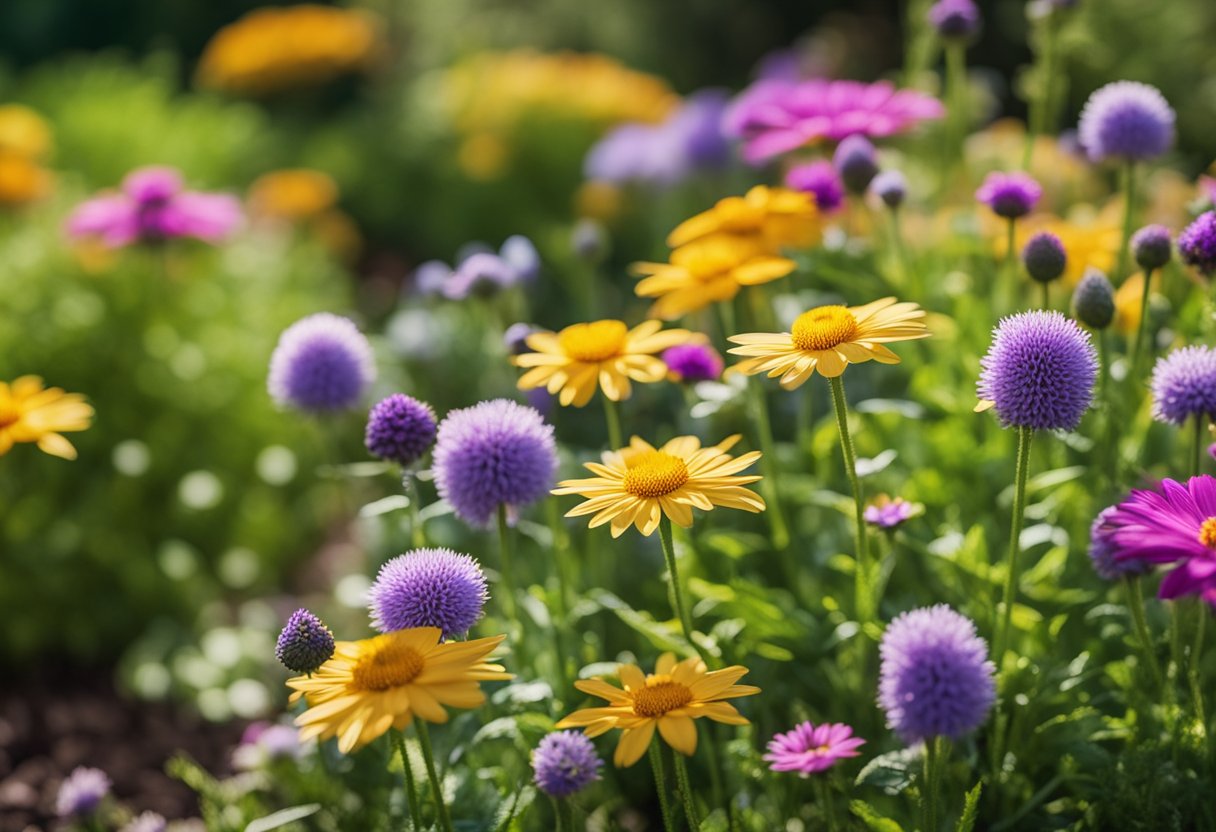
[508, 812]
[966, 823]
[385, 505]
[873, 821]
[892, 772]
[283, 817]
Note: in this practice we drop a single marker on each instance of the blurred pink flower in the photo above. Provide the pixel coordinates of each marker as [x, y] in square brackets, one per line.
[153, 206]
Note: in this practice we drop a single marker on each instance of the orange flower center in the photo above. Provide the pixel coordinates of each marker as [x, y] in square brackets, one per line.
[823, 328]
[387, 667]
[660, 696]
[9, 416]
[654, 473]
[595, 341]
[1207, 533]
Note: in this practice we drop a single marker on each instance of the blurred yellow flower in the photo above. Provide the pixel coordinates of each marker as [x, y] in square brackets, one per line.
[22, 180]
[274, 49]
[31, 413]
[483, 156]
[780, 216]
[1129, 302]
[23, 132]
[598, 201]
[292, 194]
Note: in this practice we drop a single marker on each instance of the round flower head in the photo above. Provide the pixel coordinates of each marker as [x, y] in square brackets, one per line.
[1184, 385]
[589, 240]
[1197, 243]
[1126, 121]
[811, 748]
[1044, 257]
[857, 163]
[147, 822]
[1102, 549]
[954, 19]
[1039, 372]
[891, 187]
[1093, 301]
[693, 362]
[564, 763]
[820, 179]
[496, 453]
[888, 513]
[321, 363]
[1010, 195]
[305, 643]
[428, 588]
[935, 679]
[1151, 246]
[81, 792]
[400, 429]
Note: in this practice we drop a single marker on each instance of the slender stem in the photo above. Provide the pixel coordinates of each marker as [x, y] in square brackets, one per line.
[441, 808]
[1040, 110]
[726, 319]
[1142, 326]
[656, 765]
[508, 575]
[686, 795]
[673, 575]
[956, 94]
[1010, 264]
[411, 789]
[613, 417]
[928, 788]
[863, 602]
[559, 815]
[1128, 181]
[1025, 435]
[768, 464]
[417, 537]
[1193, 669]
[1046, 295]
[1197, 446]
[1135, 604]
[901, 256]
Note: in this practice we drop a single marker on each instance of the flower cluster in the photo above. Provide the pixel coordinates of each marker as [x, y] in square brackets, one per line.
[480, 270]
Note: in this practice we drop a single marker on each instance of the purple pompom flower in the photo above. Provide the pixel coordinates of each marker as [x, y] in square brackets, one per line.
[954, 19]
[305, 643]
[1126, 121]
[152, 207]
[81, 792]
[1184, 385]
[565, 762]
[1044, 257]
[1093, 301]
[1152, 247]
[1197, 244]
[322, 363]
[146, 822]
[1010, 195]
[1102, 549]
[400, 429]
[428, 588]
[888, 513]
[809, 748]
[891, 187]
[818, 178]
[936, 679]
[496, 453]
[857, 162]
[693, 362]
[1039, 372]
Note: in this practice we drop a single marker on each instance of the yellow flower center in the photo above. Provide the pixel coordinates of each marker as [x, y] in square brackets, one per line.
[595, 341]
[660, 696]
[9, 416]
[654, 473]
[1207, 533]
[823, 328]
[390, 666]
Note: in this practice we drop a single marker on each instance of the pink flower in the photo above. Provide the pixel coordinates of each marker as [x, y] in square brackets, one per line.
[152, 206]
[775, 116]
[810, 748]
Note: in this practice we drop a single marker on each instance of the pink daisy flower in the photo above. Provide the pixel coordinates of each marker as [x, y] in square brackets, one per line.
[811, 748]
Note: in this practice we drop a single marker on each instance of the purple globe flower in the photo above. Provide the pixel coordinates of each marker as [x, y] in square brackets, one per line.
[1152, 247]
[147, 822]
[428, 588]
[693, 362]
[1126, 121]
[888, 513]
[856, 161]
[1044, 257]
[1102, 549]
[820, 179]
[1197, 243]
[322, 363]
[1010, 195]
[400, 429]
[935, 679]
[565, 762]
[496, 453]
[1039, 372]
[1184, 385]
[810, 748]
[891, 187]
[305, 643]
[1093, 301]
[81, 792]
[954, 19]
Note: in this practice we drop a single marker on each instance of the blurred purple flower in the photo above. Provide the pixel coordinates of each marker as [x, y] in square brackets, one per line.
[1127, 121]
[693, 362]
[1010, 195]
[479, 270]
[820, 179]
[81, 792]
[264, 742]
[887, 513]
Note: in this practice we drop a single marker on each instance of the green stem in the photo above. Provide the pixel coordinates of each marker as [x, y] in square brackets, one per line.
[768, 464]
[1197, 446]
[1046, 295]
[825, 799]
[1010, 266]
[613, 417]
[411, 789]
[1142, 326]
[1025, 435]
[417, 538]
[1127, 177]
[559, 813]
[673, 575]
[862, 600]
[1135, 604]
[901, 256]
[929, 788]
[1193, 669]
[686, 795]
[1040, 109]
[441, 808]
[656, 765]
[956, 94]
[508, 575]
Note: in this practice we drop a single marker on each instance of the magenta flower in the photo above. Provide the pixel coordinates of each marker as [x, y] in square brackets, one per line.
[153, 206]
[1175, 525]
[810, 748]
[774, 116]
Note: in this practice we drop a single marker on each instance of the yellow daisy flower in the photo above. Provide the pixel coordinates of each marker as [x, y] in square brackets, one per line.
[31, 413]
[780, 216]
[669, 699]
[708, 270]
[573, 362]
[383, 682]
[828, 339]
[639, 484]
